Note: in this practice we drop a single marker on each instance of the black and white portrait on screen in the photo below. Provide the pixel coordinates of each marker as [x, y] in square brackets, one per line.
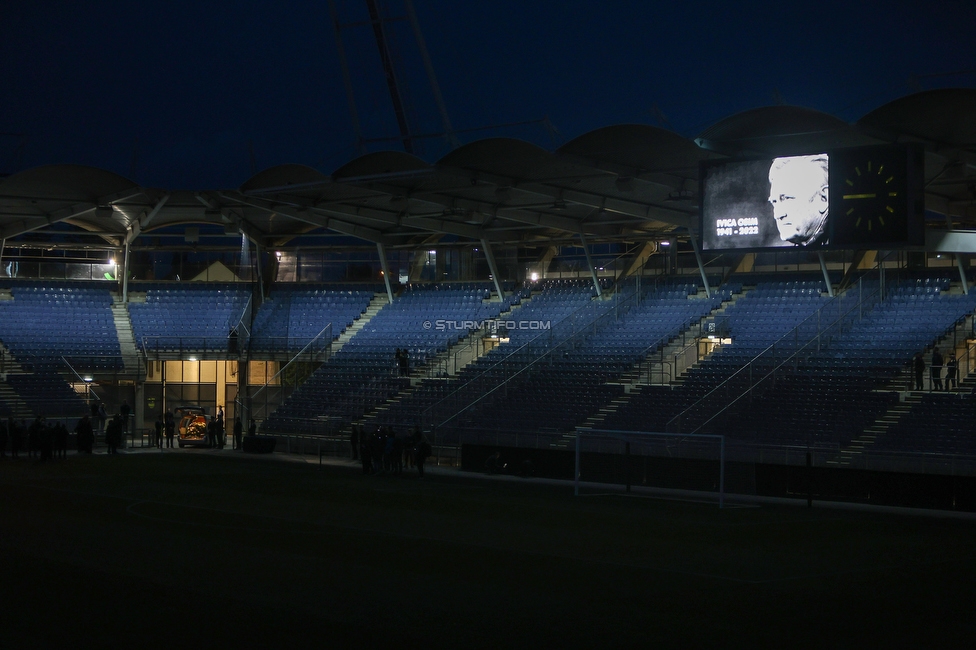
[766, 203]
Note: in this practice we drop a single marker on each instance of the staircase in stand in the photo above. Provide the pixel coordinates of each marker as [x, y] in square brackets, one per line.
[879, 428]
[131, 360]
[8, 396]
[379, 301]
[17, 406]
[643, 373]
[445, 365]
[450, 362]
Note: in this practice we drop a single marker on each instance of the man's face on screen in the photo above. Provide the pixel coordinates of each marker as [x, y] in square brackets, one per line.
[798, 195]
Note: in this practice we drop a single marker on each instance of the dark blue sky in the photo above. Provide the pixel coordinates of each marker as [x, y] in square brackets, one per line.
[178, 94]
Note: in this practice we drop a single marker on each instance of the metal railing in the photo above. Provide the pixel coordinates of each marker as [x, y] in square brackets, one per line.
[314, 353]
[175, 347]
[495, 376]
[749, 380]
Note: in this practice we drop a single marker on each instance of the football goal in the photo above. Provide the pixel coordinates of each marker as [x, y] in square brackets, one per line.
[646, 458]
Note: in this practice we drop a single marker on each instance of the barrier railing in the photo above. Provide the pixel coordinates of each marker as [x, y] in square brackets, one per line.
[749, 380]
[176, 347]
[315, 352]
[530, 355]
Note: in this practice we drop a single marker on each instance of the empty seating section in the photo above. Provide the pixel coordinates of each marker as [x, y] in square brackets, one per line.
[423, 320]
[818, 411]
[47, 394]
[825, 397]
[293, 315]
[755, 322]
[911, 317]
[45, 322]
[596, 341]
[939, 424]
[834, 394]
[759, 319]
[660, 316]
[187, 316]
[446, 310]
[558, 306]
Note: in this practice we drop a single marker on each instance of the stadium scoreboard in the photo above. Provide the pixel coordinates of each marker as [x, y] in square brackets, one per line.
[853, 198]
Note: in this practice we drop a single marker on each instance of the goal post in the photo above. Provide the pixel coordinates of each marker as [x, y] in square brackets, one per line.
[650, 444]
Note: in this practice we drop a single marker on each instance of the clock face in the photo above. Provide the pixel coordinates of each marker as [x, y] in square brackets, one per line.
[871, 196]
[868, 196]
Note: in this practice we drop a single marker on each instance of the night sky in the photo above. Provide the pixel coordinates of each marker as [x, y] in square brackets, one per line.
[194, 95]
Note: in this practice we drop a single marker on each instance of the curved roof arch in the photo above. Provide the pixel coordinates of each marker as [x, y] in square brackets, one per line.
[380, 163]
[641, 147]
[65, 183]
[283, 176]
[779, 130]
[946, 116]
[507, 158]
[90, 198]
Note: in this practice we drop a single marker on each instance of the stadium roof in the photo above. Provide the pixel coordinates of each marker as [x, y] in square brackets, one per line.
[619, 183]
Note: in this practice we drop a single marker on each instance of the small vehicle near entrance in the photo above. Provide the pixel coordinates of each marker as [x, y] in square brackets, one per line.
[192, 425]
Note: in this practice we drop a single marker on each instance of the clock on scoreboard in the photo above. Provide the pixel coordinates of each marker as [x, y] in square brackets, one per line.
[876, 196]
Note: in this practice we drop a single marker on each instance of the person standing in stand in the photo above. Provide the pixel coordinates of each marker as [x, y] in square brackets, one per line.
[169, 423]
[220, 425]
[86, 435]
[936, 370]
[951, 368]
[238, 432]
[124, 412]
[113, 434]
[919, 371]
[159, 432]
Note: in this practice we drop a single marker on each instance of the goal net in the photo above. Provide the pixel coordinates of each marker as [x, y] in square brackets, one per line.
[607, 459]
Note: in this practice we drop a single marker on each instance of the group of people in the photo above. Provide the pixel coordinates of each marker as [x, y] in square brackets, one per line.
[98, 415]
[935, 371]
[115, 427]
[165, 426]
[45, 440]
[215, 430]
[215, 439]
[384, 452]
[48, 439]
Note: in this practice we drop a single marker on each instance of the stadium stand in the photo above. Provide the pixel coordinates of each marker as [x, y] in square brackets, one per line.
[192, 316]
[49, 328]
[294, 314]
[44, 322]
[424, 320]
[799, 369]
[555, 380]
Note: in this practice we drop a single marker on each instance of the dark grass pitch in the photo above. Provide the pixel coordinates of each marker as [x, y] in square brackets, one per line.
[191, 550]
